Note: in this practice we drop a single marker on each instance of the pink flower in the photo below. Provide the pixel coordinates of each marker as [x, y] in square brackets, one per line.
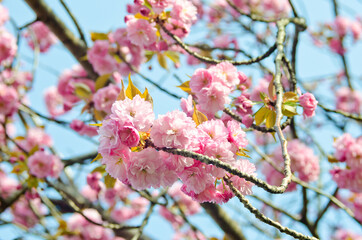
[348, 101]
[116, 164]
[24, 215]
[176, 220]
[213, 99]
[85, 229]
[240, 183]
[195, 179]
[8, 100]
[173, 130]
[341, 25]
[309, 104]
[275, 178]
[93, 180]
[137, 111]
[302, 158]
[54, 102]
[336, 46]
[105, 97]
[7, 185]
[36, 137]
[226, 73]
[83, 129]
[43, 36]
[110, 144]
[236, 135]
[201, 78]
[243, 105]
[4, 15]
[99, 57]
[141, 33]
[187, 106]
[145, 169]
[215, 129]
[89, 193]
[42, 164]
[128, 135]
[348, 178]
[8, 47]
[184, 11]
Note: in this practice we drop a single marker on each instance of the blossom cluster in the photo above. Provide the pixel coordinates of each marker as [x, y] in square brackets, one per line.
[303, 161]
[39, 36]
[348, 150]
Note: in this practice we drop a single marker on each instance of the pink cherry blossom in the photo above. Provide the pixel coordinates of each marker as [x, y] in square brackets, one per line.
[40, 33]
[36, 137]
[82, 128]
[240, 183]
[348, 100]
[187, 106]
[348, 178]
[309, 104]
[4, 15]
[243, 105]
[54, 102]
[173, 130]
[8, 47]
[116, 164]
[195, 179]
[105, 97]
[93, 180]
[99, 57]
[184, 11]
[42, 164]
[128, 135]
[236, 135]
[8, 100]
[110, 144]
[8, 185]
[201, 78]
[137, 111]
[140, 32]
[343, 234]
[226, 73]
[24, 215]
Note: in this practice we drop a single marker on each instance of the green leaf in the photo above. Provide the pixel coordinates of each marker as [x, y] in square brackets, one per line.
[101, 169]
[262, 96]
[82, 91]
[98, 36]
[288, 110]
[146, 96]
[290, 97]
[109, 181]
[270, 119]
[198, 116]
[173, 56]
[132, 91]
[149, 55]
[32, 182]
[101, 81]
[185, 87]
[162, 61]
[260, 115]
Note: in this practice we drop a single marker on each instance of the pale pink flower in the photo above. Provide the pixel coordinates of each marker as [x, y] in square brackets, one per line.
[243, 105]
[9, 100]
[175, 220]
[8, 185]
[137, 111]
[42, 164]
[341, 26]
[215, 129]
[309, 104]
[173, 130]
[187, 106]
[8, 47]
[110, 144]
[236, 135]
[248, 120]
[275, 178]
[302, 158]
[4, 15]
[213, 99]
[226, 73]
[89, 193]
[87, 230]
[348, 178]
[99, 57]
[184, 11]
[16, 78]
[122, 214]
[201, 78]
[195, 179]
[23, 213]
[54, 102]
[348, 101]
[116, 164]
[141, 33]
[40, 33]
[144, 169]
[240, 183]
[342, 234]
[36, 137]
[105, 97]
[262, 87]
[356, 29]
[83, 129]
[190, 207]
[159, 5]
